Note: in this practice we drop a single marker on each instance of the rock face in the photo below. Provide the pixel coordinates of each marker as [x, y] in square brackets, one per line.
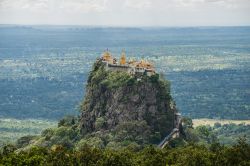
[122, 108]
[118, 110]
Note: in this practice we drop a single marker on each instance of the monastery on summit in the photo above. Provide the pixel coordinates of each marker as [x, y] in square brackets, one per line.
[132, 67]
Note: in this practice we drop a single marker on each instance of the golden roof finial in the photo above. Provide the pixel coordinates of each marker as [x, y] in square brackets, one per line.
[123, 58]
[107, 56]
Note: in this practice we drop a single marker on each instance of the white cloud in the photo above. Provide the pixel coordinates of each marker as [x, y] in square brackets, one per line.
[56, 5]
[138, 4]
[126, 12]
[85, 5]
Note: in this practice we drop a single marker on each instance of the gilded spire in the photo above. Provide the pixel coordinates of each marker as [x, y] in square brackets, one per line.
[123, 58]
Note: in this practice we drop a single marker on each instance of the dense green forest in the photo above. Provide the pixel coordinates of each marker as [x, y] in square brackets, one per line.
[191, 154]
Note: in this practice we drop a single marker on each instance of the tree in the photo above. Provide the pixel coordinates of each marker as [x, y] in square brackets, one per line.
[8, 149]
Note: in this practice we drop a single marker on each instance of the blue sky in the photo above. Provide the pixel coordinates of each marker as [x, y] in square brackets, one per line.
[126, 12]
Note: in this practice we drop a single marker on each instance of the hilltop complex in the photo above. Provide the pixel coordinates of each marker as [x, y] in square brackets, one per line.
[126, 103]
[132, 67]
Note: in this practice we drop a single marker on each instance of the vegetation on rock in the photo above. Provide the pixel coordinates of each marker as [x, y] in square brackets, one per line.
[121, 109]
[118, 110]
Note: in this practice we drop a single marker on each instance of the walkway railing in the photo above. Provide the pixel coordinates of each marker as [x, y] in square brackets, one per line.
[165, 141]
[174, 133]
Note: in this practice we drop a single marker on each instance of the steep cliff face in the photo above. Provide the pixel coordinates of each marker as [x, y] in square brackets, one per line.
[126, 108]
[118, 110]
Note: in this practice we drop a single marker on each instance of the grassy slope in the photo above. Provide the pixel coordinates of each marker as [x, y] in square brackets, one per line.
[211, 122]
[12, 129]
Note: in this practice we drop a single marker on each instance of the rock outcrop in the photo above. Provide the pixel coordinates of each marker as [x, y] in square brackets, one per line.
[119, 109]
[127, 107]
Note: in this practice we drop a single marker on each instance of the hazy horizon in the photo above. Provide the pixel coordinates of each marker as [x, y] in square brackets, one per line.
[120, 26]
[126, 13]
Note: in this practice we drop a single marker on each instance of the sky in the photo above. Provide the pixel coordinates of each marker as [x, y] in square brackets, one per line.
[126, 12]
